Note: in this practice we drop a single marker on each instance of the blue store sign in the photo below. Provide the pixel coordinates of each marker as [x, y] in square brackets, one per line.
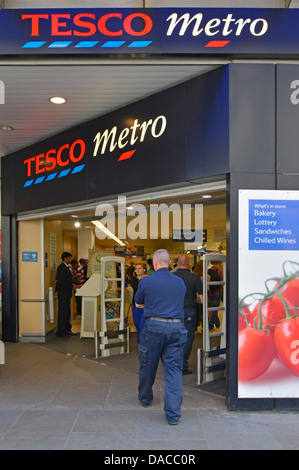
[150, 31]
[273, 225]
[29, 256]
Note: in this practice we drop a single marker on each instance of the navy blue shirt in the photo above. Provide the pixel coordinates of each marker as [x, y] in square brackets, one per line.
[162, 294]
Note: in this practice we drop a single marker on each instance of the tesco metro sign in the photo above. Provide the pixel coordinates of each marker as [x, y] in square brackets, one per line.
[149, 30]
[88, 24]
[70, 157]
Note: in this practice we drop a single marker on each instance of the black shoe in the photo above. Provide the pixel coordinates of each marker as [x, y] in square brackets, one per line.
[172, 421]
[145, 403]
[187, 372]
[63, 335]
[70, 333]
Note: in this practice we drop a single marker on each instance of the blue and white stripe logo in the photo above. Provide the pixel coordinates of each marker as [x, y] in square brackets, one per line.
[85, 44]
[53, 176]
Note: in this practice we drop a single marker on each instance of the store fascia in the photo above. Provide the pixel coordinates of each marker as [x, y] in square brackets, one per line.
[181, 173]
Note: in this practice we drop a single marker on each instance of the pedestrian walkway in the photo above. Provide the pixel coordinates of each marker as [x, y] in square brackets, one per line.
[54, 400]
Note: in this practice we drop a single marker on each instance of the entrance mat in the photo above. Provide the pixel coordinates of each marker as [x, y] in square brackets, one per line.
[218, 387]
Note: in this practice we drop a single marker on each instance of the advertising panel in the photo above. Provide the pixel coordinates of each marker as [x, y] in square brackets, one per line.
[268, 355]
[94, 262]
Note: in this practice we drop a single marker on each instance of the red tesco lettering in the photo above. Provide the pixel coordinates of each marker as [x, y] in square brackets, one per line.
[62, 157]
[62, 24]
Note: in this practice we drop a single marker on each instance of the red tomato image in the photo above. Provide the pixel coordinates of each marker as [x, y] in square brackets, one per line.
[256, 352]
[290, 292]
[244, 315]
[286, 339]
[273, 312]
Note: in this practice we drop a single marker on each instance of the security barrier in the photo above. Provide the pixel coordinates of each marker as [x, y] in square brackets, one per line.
[112, 306]
[102, 340]
[211, 361]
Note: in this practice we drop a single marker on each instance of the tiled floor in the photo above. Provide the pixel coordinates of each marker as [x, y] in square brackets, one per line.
[53, 399]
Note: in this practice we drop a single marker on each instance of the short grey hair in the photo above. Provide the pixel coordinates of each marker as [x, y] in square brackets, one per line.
[162, 257]
[183, 260]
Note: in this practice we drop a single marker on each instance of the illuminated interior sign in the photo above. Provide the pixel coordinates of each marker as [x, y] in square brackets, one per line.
[68, 159]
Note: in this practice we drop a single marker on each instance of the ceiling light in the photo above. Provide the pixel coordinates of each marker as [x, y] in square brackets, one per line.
[57, 100]
[73, 215]
[77, 224]
[5, 127]
[206, 196]
[104, 229]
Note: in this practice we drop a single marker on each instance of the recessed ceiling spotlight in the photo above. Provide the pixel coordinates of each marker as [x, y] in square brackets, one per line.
[5, 127]
[206, 196]
[77, 224]
[57, 100]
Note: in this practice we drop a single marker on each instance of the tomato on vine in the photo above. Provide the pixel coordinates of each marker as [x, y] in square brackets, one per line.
[256, 353]
[290, 291]
[274, 326]
[286, 339]
[271, 311]
[244, 316]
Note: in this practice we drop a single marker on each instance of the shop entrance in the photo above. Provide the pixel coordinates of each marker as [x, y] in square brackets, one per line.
[92, 90]
[43, 238]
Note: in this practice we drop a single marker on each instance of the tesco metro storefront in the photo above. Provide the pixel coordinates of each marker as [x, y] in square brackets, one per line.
[237, 124]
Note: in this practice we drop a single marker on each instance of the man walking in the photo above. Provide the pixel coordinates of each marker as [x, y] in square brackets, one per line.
[163, 336]
[64, 288]
[193, 287]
